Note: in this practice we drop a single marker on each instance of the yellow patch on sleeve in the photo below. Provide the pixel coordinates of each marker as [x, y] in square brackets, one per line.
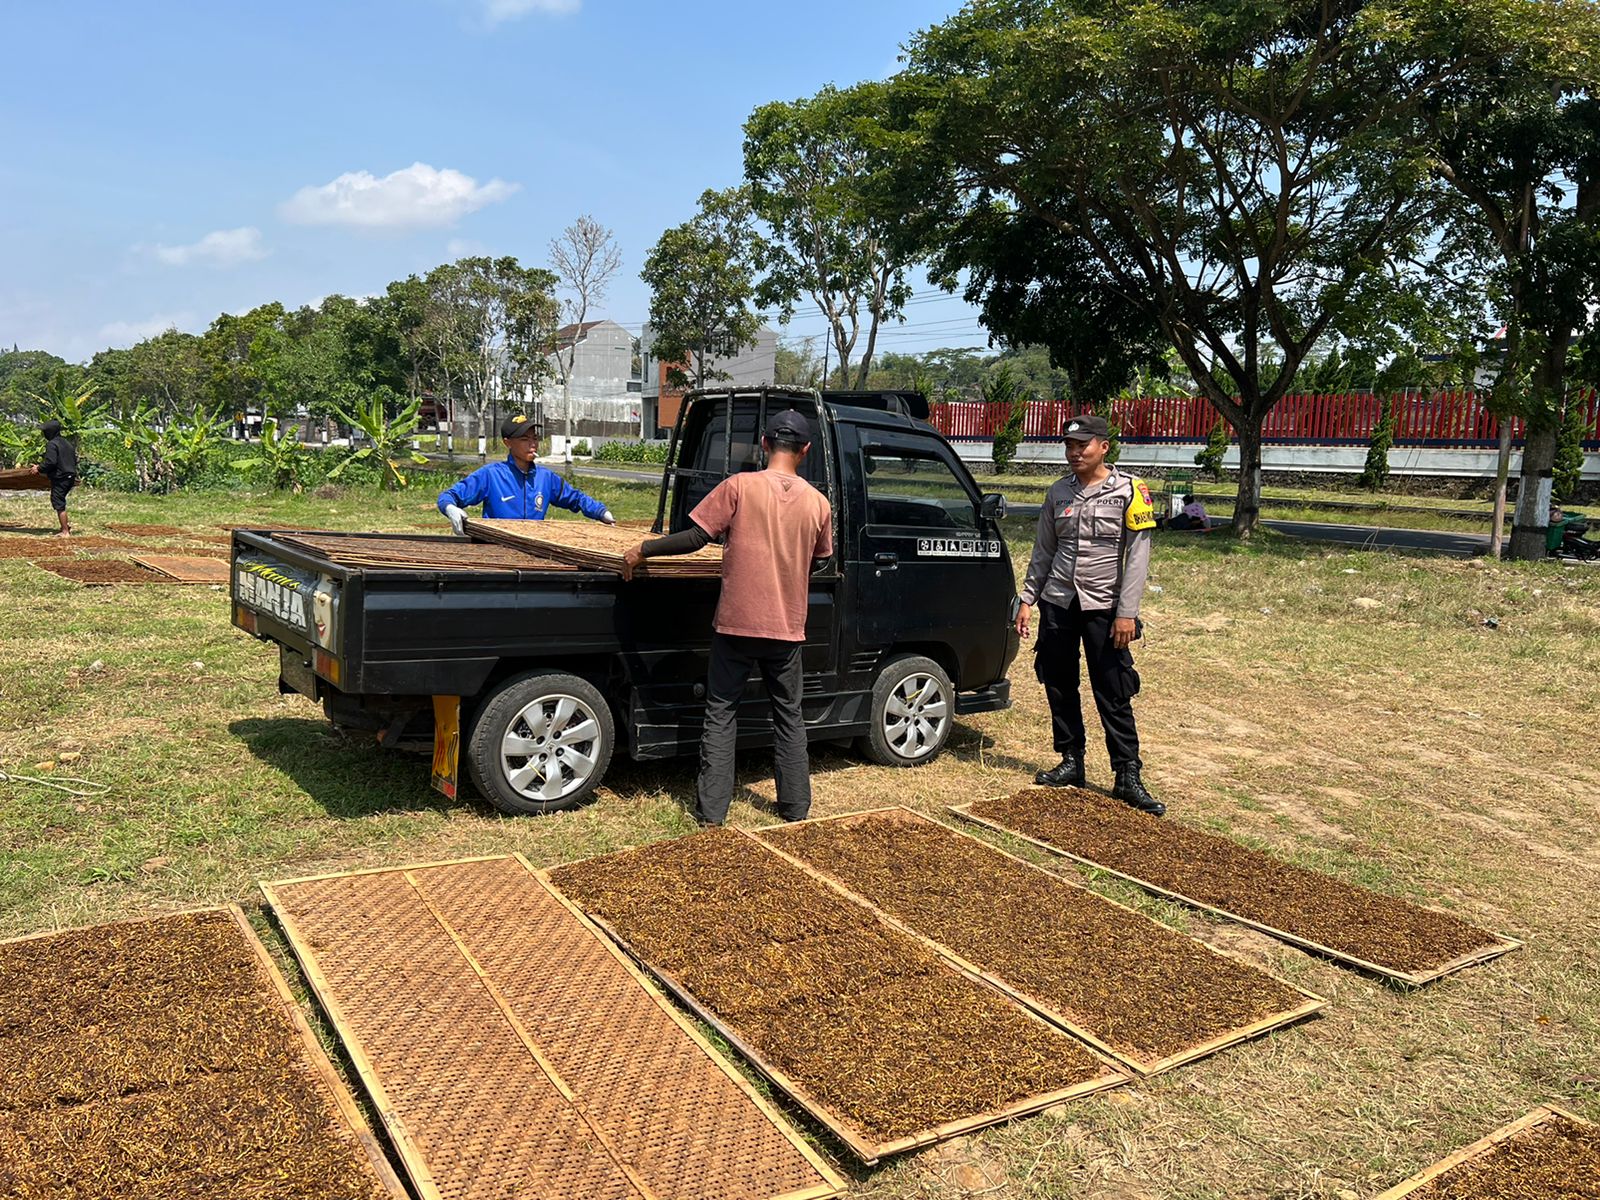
[1141, 510]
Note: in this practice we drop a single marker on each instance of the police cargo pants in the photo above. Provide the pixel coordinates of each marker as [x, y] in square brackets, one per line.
[1112, 679]
[732, 659]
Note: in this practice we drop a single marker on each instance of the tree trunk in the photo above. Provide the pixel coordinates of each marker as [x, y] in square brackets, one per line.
[1502, 473]
[1532, 519]
[1247, 510]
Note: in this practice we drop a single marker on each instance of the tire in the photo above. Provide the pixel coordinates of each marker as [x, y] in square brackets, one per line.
[540, 743]
[913, 712]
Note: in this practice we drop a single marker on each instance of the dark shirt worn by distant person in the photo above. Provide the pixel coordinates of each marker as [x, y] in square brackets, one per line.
[60, 459]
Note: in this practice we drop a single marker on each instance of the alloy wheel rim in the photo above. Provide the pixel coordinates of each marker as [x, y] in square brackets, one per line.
[916, 716]
[549, 749]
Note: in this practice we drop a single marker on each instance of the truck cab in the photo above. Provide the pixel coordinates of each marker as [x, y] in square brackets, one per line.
[909, 623]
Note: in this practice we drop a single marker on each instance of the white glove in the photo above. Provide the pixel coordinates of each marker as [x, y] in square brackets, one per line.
[457, 516]
[607, 519]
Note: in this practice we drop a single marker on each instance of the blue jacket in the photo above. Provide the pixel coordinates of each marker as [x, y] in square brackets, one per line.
[506, 492]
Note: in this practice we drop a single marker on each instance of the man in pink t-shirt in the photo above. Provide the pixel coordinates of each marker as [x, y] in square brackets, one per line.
[777, 526]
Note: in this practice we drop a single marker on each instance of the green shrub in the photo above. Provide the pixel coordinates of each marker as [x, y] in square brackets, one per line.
[1569, 450]
[1004, 386]
[632, 452]
[1209, 458]
[1376, 471]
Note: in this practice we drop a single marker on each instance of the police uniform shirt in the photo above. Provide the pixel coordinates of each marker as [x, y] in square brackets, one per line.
[1093, 543]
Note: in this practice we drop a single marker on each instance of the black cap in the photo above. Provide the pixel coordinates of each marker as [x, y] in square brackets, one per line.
[788, 426]
[1081, 429]
[517, 425]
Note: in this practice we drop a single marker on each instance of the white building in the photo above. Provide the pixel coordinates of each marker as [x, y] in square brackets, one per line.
[758, 364]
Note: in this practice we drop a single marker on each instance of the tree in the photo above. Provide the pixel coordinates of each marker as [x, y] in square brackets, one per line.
[583, 258]
[702, 279]
[487, 325]
[1518, 139]
[1375, 473]
[226, 347]
[1231, 175]
[1004, 387]
[798, 364]
[1567, 473]
[810, 167]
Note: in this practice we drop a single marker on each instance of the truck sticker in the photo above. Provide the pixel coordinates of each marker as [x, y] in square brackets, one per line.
[958, 548]
[272, 590]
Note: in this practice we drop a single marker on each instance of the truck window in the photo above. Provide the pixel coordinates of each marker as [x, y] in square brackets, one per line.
[915, 490]
[712, 457]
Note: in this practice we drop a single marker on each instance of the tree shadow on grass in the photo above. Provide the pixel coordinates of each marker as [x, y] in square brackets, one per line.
[347, 776]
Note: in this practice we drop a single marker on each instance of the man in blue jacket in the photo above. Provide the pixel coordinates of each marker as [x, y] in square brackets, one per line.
[518, 489]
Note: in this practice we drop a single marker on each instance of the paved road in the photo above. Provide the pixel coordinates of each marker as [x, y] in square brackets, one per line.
[1371, 537]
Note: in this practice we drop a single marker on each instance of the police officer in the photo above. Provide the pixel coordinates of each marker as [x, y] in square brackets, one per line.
[1090, 561]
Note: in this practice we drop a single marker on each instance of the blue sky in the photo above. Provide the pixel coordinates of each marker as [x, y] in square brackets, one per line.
[163, 162]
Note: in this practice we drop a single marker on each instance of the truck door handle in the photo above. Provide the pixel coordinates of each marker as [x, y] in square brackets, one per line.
[886, 562]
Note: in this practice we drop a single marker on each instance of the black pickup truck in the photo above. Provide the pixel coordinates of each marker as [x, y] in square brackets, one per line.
[537, 677]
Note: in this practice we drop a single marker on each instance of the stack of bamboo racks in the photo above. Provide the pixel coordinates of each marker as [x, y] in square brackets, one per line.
[598, 547]
[418, 554]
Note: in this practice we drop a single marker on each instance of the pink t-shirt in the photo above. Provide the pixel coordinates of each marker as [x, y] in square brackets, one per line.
[776, 524]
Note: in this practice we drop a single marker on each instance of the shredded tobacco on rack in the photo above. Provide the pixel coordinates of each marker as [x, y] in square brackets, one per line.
[154, 1060]
[1220, 873]
[870, 1022]
[1141, 988]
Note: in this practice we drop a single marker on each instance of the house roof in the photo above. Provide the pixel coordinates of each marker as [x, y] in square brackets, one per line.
[570, 333]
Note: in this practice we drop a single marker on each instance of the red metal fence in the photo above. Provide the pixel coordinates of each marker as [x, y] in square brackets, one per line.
[1441, 419]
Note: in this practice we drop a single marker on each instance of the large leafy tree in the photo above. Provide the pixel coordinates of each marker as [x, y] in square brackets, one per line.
[811, 169]
[487, 326]
[702, 283]
[1231, 174]
[1517, 138]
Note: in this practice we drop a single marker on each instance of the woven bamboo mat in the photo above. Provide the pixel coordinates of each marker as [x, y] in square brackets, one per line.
[420, 554]
[186, 568]
[166, 1058]
[513, 1052]
[599, 547]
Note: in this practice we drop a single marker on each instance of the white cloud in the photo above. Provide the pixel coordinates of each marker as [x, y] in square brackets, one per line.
[126, 333]
[418, 197]
[223, 248]
[497, 11]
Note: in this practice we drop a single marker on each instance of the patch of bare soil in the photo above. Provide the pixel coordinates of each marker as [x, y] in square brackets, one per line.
[1220, 873]
[96, 572]
[870, 1022]
[1555, 1160]
[153, 1060]
[1144, 990]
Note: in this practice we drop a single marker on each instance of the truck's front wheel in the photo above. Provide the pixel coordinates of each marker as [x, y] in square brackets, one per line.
[541, 743]
[913, 708]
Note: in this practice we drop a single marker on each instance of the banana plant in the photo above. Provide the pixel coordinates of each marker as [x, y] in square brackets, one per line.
[19, 445]
[388, 438]
[74, 407]
[136, 428]
[278, 455]
[181, 448]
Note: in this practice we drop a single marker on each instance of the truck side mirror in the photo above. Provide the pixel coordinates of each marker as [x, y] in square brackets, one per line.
[992, 507]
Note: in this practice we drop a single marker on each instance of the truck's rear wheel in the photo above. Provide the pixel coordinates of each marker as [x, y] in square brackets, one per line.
[913, 710]
[541, 743]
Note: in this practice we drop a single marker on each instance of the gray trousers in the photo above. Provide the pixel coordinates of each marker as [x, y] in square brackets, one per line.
[732, 659]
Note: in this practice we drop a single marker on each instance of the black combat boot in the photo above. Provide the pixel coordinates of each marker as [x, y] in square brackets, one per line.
[1130, 789]
[1067, 773]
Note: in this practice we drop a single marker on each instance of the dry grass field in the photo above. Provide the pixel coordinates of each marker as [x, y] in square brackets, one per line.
[1428, 728]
